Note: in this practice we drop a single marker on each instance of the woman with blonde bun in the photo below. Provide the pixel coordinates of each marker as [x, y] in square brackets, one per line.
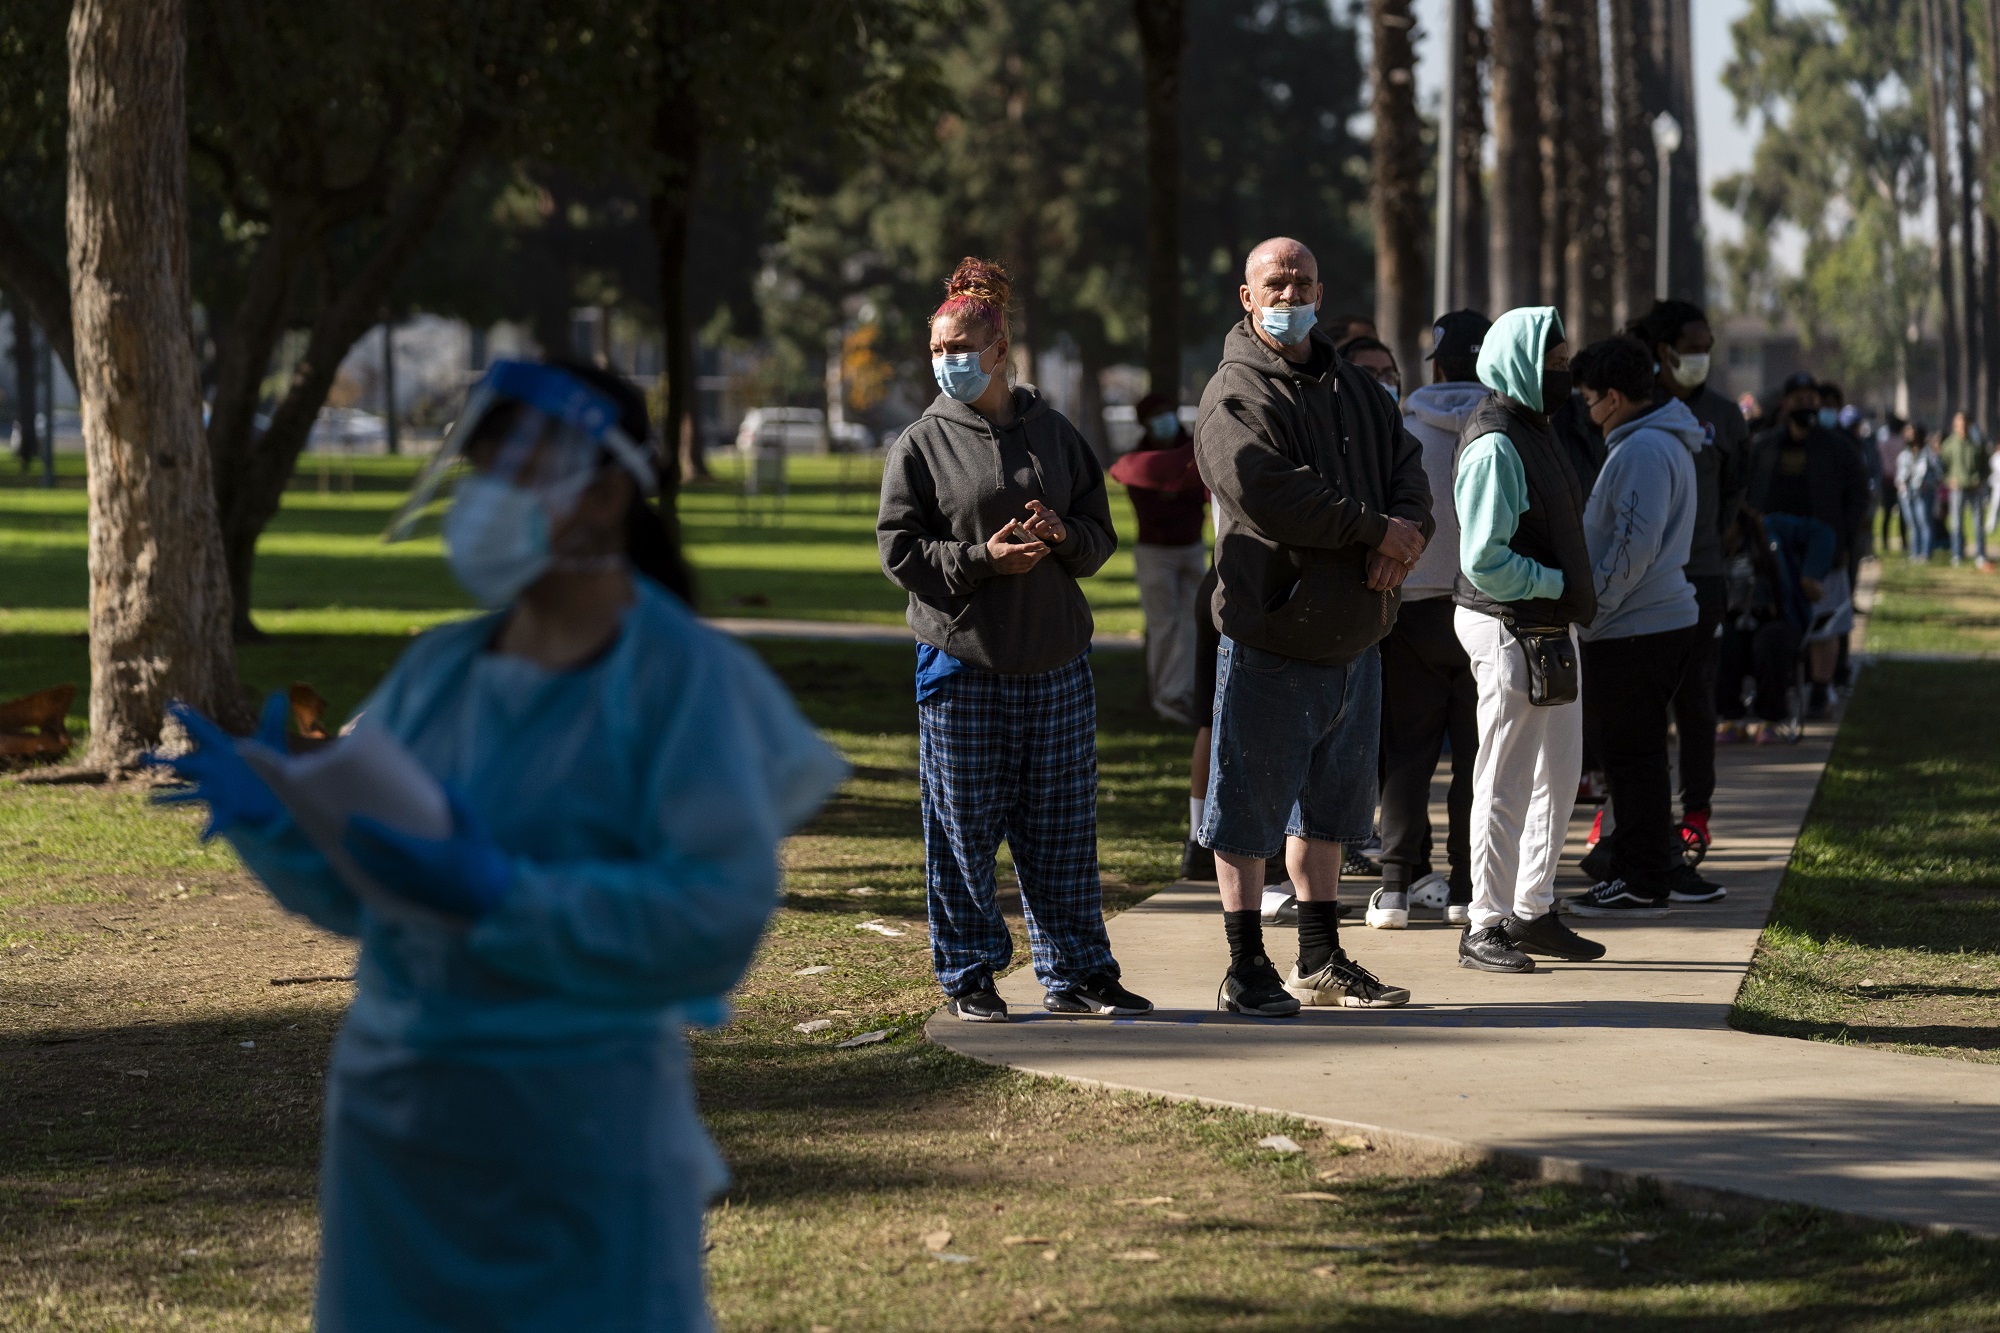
[993, 506]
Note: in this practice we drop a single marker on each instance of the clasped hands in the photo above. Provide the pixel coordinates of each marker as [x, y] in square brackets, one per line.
[1022, 543]
[1395, 555]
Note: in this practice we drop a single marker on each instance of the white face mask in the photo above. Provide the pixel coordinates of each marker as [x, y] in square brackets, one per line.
[497, 535]
[1691, 370]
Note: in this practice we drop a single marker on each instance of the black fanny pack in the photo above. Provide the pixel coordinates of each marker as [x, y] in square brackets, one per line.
[1552, 674]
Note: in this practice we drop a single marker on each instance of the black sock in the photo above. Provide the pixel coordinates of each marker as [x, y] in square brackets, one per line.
[1246, 935]
[1319, 935]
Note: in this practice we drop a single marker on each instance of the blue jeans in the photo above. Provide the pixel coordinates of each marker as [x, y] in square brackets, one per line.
[1966, 505]
[1293, 752]
[1917, 526]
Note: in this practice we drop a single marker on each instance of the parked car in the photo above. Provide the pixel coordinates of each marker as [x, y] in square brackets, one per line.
[796, 430]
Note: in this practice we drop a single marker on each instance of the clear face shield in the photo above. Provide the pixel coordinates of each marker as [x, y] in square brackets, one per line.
[537, 428]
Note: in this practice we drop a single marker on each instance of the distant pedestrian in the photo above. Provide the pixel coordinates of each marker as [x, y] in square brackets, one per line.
[993, 507]
[1780, 560]
[1965, 472]
[1524, 583]
[1168, 560]
[1428, 693]
[1918, 477]
[1321, 510]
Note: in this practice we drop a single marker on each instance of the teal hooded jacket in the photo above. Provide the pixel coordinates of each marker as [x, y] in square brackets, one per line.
[1491, 489]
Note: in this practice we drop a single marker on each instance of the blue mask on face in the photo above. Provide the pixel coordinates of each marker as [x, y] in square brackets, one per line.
[496, 539]
[1829, 417]
[1165, 425]
[1287, 324]
[1395, 394]
[959, 375]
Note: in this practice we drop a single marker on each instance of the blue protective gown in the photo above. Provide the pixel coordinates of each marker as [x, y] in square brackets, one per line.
[511, 1136]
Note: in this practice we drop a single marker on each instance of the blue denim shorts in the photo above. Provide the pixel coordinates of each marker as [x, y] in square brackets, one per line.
[1293, 753]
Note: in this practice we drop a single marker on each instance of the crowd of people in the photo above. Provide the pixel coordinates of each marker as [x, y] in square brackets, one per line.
[1575, 572]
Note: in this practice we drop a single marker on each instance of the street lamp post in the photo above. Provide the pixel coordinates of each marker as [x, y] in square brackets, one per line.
[1666, 142]
[1443, 259]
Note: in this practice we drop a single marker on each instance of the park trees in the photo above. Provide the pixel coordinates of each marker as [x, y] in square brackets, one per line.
[1402, 294]
[159, 601]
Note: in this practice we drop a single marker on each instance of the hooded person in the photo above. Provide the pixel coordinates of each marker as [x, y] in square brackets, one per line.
[1524, 583]
[1427, 688]
[1639, 525]
[1321, 511]
[993, 506]
[1169, 559]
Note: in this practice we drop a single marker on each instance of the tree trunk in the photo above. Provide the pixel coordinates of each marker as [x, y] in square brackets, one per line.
[159, 601]
[1931, 61]
[25, 379]
[1632, 171]
[1673, 63]
[677, 142]
[1971, 335]
[1402, 282]
[1556, 94]
[1471, 249]
[1989, 199]
[1090, 401]
[1162, 36]
[1587, 259]
[1517, 171]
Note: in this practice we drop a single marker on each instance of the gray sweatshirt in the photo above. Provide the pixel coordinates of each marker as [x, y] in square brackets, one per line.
[1639, 523]
[1435, 414]
[950, 482]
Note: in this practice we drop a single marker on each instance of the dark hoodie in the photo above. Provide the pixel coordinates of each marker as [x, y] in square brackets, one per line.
[1307, 462]
[954, 479]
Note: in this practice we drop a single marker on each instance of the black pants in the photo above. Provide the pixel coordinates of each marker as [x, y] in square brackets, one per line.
[1769, 652]
[1694, 702]
[1628, 685]
[1427, 694]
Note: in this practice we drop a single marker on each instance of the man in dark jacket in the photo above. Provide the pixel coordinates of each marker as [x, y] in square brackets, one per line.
[1169, 559]
[1321, 511]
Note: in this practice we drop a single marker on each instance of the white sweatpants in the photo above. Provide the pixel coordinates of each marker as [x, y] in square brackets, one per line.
[1168, 577]
[1523, 781]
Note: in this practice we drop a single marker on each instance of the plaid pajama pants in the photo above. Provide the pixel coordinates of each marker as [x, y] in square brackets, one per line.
[1012, 757]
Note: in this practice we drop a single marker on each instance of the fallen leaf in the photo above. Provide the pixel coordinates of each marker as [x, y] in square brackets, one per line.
[819, 971]
[137, 1073]
[813, 1025]
[1473, 1198]
[1050, 1255]
[1279, 1143]
[1354, 1141]
[1024, 1240]
[1148, 1202]
[1325, 1270]
[936, 1240]
[247, 1045]
[881, 929]
[946, 1257]
[1138, 1256]
[865, 1039]
[862, 892]
[1333, 1174]
[1320, 1196]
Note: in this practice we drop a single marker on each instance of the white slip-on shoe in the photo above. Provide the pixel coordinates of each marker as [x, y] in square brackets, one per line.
[1388, 909]
[1280, 905]
[1431, 893]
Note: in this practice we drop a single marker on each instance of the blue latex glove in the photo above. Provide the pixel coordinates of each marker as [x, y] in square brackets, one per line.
[464, 875]
[234, 793]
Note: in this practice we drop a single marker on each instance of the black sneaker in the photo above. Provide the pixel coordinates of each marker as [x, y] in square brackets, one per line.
[1255, 988]
[1549, 937]
[979, 1006]
[1345, 984]
[1356, 866]
[1197, 862]
[1617, 898]
[1489, 950]
[1690, 887]
[1100, 994]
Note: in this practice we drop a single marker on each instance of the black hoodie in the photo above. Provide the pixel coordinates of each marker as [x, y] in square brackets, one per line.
[951, 481]
[1307, 462]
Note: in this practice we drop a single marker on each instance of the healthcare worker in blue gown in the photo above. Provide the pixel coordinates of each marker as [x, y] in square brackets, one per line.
[511, 1139]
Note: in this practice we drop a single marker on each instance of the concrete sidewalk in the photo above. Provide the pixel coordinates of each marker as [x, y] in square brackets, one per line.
[1625, 1066]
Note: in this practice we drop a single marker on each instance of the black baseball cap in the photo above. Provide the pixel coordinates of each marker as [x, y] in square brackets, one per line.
[1458, 334]
[1798, 379]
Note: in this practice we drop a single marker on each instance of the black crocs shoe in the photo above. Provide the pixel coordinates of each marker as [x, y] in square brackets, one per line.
[1255, 988]
[1549, 937]
[979, 1006]
[1197, 862]
[1100, 994]
[1489, 950]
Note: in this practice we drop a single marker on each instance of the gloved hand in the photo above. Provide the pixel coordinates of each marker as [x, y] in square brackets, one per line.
[232, 789]
[464, 875]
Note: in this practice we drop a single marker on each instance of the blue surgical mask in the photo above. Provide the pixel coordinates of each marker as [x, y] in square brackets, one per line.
[959, 375]
[1395, 394]
[1165, 425]
[496, 538]
[1287, 324]
[1829, 417]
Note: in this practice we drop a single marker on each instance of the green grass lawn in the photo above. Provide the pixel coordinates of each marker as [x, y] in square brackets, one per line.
[1935, 609]
[157, 1172]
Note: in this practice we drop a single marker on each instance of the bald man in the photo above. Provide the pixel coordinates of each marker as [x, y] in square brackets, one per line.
[1321, 509]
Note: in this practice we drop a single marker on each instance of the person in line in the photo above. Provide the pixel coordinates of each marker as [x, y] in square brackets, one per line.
[1169, 558]
[1889, 452]
[1801, 467]
[1965, 468]
[1321, 511]
[1373, 355]
[511, 1137]
[1993, 493]
[1918, 477]
[1780, 562]
[1639, 524]
[993, 506]
[1524, 583]
[1428, 694]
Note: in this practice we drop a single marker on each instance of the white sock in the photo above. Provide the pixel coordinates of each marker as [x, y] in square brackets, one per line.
[1197, 807]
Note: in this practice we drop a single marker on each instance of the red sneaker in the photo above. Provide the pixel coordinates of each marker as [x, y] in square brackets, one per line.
[1596, 831]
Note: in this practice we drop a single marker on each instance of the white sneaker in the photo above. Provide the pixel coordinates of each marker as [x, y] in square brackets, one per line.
[1280, 906]
[1388, 909]
[1432, 893]
[1459, 914]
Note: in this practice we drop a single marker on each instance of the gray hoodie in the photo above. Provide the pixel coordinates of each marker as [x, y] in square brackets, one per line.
[950, 482]
[1435, 414]
[1639, 523]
